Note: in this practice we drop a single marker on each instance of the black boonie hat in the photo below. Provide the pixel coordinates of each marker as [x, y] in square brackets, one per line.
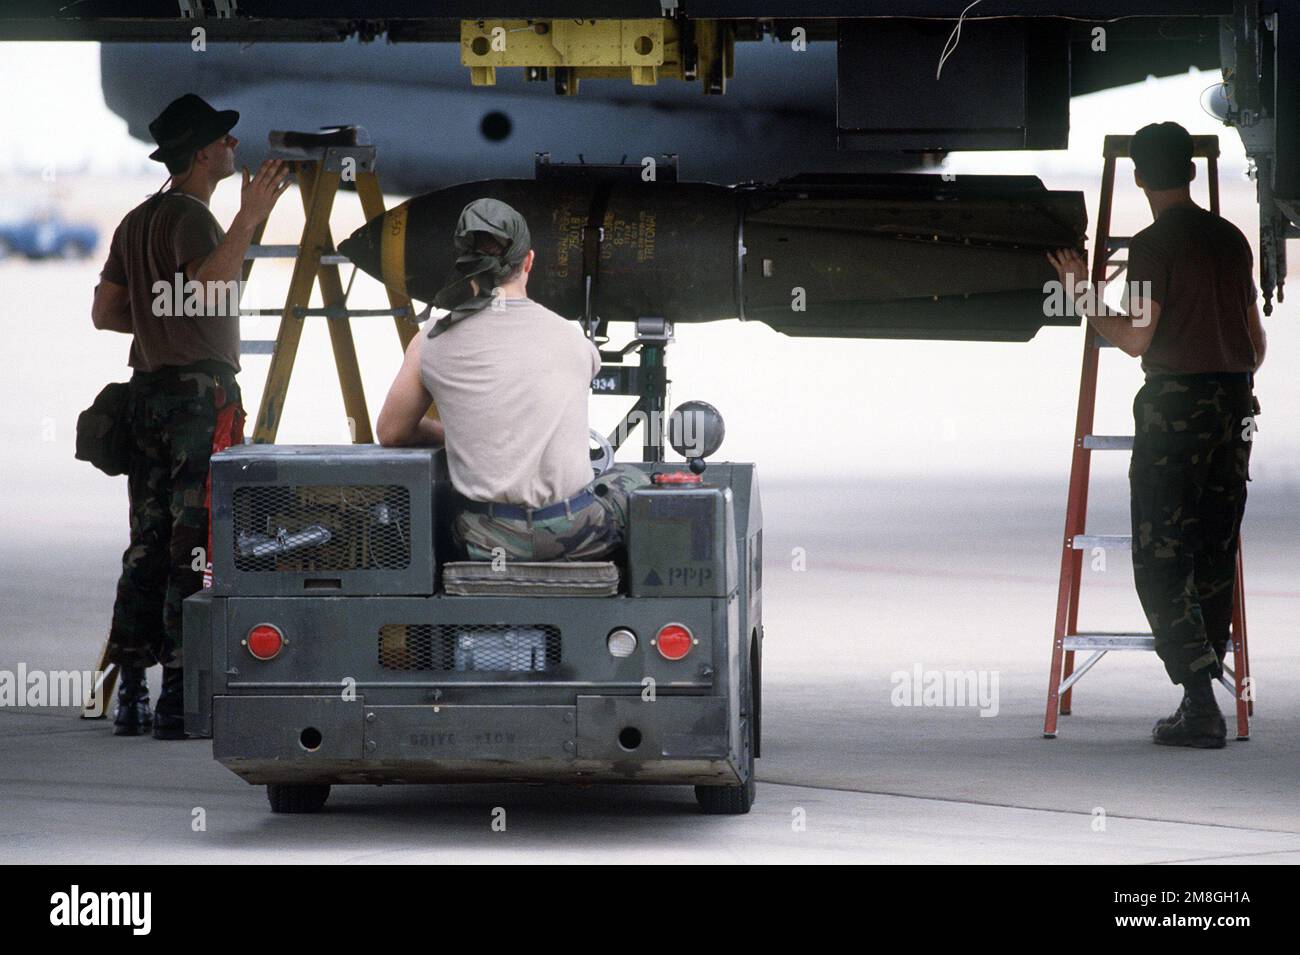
[187, 125]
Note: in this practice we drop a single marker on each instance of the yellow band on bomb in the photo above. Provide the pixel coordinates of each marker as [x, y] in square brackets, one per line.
[392, 249]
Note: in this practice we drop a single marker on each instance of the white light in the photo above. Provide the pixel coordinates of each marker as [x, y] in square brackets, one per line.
[621, 643]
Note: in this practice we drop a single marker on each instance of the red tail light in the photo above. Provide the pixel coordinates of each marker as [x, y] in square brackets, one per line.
[671, 478]
[674, 641]
[264, 641]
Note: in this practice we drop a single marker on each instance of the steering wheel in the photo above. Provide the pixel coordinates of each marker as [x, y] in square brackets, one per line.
[602, 454]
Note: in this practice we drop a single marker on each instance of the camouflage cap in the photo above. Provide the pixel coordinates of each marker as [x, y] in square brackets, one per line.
[503, 223]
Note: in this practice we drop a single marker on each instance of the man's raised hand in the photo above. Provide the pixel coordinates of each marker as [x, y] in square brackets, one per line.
[259, 193]
[1071, 268]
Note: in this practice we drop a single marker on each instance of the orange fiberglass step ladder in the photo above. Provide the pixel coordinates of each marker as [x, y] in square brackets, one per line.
[1068, 639]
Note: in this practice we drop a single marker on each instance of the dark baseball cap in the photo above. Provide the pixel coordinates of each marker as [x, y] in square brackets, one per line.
[187, 125]
[1161, 152]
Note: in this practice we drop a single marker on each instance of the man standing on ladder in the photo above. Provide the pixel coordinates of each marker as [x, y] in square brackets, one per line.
[184, 375]
[1192, 319]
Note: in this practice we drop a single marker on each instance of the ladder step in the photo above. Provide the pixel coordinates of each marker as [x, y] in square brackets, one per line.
[291, 252]
[1109, 641]
[257, 347]
[1108, 442]
[1099, 640]
[399, 312]
[1089, 541]
[336, 312]
[1118, 241]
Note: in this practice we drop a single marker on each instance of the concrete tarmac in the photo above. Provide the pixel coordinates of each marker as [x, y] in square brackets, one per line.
[938, 575]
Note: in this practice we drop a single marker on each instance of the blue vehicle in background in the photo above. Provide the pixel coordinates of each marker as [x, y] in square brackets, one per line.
[45, 234]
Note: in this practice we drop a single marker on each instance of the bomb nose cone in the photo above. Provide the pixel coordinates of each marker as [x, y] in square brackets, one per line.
[378, 248]
[362, 248]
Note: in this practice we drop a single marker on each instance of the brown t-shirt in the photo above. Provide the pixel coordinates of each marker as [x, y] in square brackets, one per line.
[180, 231]
[1199, 266]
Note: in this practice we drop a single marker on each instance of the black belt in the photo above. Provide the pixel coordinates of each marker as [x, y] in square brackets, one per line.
[519, 513]
[206, 366]
[1239, 379]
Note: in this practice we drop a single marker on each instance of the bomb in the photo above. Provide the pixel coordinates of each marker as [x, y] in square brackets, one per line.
[843, 256]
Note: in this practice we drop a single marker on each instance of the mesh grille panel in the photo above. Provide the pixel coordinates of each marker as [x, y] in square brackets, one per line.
[322, 527]
[470, 648]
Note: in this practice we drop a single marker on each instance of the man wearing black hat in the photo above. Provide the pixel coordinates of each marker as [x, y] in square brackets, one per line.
[1193, 321]
[185, 353]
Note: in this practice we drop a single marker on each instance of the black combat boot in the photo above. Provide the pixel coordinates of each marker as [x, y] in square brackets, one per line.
[1174, 716]
[133, 716]
[169, 715]
[1200, 724]
[1182, 705]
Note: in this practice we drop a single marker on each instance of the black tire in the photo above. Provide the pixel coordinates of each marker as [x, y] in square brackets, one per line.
[297, 797]
[756, 689]
[734, 800]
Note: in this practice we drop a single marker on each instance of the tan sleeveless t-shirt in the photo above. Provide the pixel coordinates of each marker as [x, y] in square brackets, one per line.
[511, 384]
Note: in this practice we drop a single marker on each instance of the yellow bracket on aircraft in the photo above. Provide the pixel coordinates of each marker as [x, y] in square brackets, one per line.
[640, 50]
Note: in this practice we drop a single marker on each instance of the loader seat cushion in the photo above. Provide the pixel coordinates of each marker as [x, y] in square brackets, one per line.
[474, 578]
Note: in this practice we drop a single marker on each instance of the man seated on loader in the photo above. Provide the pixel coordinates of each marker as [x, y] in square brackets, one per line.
[511, 380]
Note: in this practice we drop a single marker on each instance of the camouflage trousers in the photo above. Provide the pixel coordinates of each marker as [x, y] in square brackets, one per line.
[1191, 457]
[172, 413]
[589, 533]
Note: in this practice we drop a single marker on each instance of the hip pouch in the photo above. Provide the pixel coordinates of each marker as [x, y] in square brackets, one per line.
[104, 432]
